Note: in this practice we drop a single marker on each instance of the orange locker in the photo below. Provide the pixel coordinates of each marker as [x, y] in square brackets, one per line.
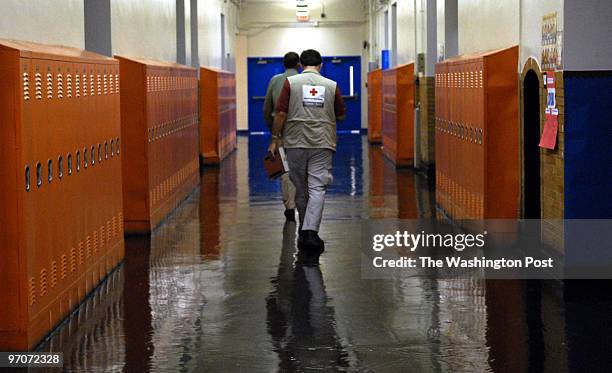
[398, 114]
[477, 174]
[217, 114]
[61, 208]
[375, 106]
[159, 116]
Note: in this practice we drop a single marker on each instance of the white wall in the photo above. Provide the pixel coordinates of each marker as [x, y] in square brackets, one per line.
[242, 98]
[329, 41]
[209, 33]
[43, 21]
[407, 44]
[485, 25]
[144, 28]
[411, 25]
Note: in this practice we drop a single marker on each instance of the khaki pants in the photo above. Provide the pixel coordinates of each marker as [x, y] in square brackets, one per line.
[288, 190]
[310, 171]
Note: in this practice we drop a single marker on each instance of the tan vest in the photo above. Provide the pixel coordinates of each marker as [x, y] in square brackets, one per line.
[311, 120]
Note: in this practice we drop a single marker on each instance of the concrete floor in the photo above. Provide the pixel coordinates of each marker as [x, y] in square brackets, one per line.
[215, 289]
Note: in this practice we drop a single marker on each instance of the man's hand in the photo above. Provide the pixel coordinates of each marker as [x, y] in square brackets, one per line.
[274, 145]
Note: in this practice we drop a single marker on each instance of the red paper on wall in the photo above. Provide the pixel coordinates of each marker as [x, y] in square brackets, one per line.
[549, 135]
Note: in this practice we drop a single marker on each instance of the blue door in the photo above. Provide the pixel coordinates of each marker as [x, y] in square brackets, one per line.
[346, 71]
[261, 70]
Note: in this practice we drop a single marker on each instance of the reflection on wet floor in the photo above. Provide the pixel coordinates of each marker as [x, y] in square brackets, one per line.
[215, 289]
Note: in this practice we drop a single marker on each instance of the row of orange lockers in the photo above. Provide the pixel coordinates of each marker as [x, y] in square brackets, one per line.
[477, 175]
[391, 112]
[476, 141]
[90, 145]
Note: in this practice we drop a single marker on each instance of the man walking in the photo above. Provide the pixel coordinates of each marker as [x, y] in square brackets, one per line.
[291, 61]
[306, 113]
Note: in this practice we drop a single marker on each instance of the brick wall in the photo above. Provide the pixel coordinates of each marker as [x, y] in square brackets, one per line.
[427, 97]
[552, 174]
[551, 164]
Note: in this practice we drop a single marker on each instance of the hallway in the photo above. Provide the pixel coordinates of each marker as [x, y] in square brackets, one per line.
[215, 289]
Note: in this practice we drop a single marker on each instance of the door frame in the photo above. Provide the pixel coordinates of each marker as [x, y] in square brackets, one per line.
[530, 65]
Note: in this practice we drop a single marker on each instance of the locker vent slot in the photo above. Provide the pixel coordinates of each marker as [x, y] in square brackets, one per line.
[88, 247]
[49, 86]
[64, 266]
[53, 274]
[43, 282]
[38, 86]
[60, 86]
[26, 86]
[78, 85]
[73, 260]
[69, 85]
[95, 243]
[32, 291]
[102, 237]
[81, 253]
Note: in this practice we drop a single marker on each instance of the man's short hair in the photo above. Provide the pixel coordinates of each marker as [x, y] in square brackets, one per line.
[311, 57]
[291, 60]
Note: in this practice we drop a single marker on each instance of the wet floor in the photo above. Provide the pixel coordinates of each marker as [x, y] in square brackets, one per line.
[215, 289]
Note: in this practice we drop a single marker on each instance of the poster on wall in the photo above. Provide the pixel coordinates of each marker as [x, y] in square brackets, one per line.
[552, 42]
[551, 124]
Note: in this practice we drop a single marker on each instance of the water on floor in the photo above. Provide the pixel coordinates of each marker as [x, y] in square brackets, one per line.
[215, 289]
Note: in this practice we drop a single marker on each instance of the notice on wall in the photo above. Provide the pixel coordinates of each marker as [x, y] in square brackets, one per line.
[551, 124]
[552, 43]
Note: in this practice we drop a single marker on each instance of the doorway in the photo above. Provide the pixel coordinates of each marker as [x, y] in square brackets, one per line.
[531, 149]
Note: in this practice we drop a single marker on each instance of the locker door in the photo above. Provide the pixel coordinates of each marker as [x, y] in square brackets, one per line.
[346, 71]
[260, 71]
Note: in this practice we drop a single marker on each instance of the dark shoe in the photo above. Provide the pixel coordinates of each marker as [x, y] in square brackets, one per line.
[310, 240]
[290, 214]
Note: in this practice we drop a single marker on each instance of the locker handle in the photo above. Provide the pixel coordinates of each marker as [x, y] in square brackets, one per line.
[69, 164]
[27, 178]
[38, 174]
[60, 167]
[50, 170]
[349, 97]
[258, 97]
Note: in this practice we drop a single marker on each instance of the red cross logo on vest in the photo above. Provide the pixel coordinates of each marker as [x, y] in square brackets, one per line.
[313, 92]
